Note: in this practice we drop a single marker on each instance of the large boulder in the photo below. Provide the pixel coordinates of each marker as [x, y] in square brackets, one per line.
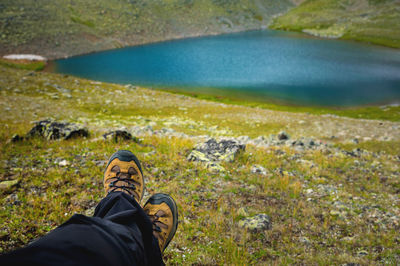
[216, 151]
[51, 129]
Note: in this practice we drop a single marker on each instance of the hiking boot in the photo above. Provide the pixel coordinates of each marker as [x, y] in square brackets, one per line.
[124, 173]
[163, 213]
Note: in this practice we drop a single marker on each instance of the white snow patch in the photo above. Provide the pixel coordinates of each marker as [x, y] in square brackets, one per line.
[30, 57]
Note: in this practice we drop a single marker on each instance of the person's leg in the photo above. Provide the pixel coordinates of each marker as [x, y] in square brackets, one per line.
[119, 207]
[120, 233]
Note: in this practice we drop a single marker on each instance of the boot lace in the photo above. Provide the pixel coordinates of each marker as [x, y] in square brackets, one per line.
[158, 233]
[130, 187]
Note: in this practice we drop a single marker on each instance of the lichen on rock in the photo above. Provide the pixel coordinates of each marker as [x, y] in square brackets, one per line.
[119, 134]
[258, 222]
[4, 185]
[52, 130]
[212, 152]
[216, 151]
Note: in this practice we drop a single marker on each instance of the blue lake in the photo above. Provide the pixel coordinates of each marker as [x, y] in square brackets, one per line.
[271, 66]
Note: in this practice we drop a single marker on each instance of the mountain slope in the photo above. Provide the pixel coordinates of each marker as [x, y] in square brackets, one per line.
[63, 28]
[371, 21]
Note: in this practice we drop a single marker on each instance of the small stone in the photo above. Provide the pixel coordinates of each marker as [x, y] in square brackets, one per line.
[17, 138]
[90, 212]
[304, 240]
[4, 185]
[215, 167]
[63, 163]
[258, 169]
[259, 140]
[116, 135]
[130, 87]
[256, 223]
[283, 136]
[362, 253]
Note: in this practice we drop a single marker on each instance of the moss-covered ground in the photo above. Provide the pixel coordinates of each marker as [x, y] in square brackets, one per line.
[326, 207]
[23, 64]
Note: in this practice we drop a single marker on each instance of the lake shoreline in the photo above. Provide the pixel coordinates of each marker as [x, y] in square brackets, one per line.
[384, 112]
[283, 66]
[191, 36]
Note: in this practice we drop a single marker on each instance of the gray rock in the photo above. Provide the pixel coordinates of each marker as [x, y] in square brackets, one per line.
[130, 87]
[256, 223]
[4, 185]
[17, 138]
[362, 253]
[117, 135]
[90, 212]
[244, 139]
[304, 240]
[142, 131]
[63, 163]
[51, 129]
[213, 151]
[258, 169]
[259, 140]
[283, 135]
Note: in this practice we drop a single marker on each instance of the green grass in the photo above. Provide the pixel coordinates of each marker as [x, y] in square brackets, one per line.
[390, 113]
[210, 204]
[35, 65]
[390, 147]
[83, 22]
[367, 21]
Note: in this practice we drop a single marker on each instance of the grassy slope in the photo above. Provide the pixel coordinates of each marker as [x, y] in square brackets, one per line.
[363, 20]
[64, 28]
[307, 228]
[390, 113]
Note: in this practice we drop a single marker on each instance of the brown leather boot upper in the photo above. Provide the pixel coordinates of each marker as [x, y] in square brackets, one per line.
[163, 213]
[123, 173]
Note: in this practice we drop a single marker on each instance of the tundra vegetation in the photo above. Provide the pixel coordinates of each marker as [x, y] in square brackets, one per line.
[327, 188]
[370, 21]
[291, 185]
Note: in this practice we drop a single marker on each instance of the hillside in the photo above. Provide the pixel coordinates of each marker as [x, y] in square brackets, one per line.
[329, 186]
[58, 28]
[370, 21]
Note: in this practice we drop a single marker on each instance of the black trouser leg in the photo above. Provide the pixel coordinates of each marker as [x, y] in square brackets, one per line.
[119, 233]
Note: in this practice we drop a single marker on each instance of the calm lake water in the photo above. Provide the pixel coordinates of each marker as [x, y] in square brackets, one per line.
[257, 65]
